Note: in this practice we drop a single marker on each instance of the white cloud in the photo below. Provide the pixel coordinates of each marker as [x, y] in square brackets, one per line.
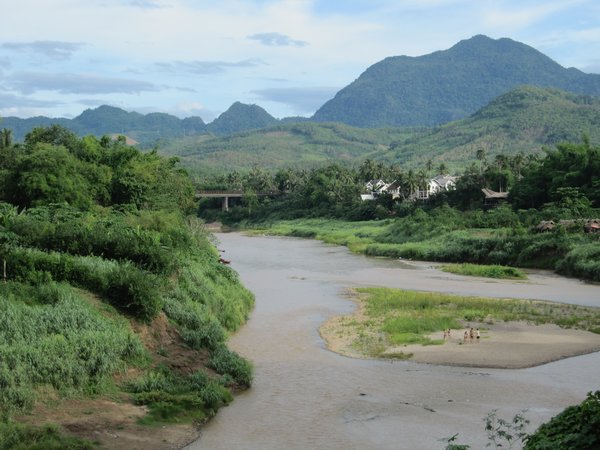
[301, 100]
[277, 40]
[69, 83]
[51, 49]
[214, 52]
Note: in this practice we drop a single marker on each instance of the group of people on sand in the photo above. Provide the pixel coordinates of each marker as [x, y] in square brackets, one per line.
[470, 335]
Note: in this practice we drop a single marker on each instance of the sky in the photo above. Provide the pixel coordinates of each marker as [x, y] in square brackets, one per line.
[197, 57]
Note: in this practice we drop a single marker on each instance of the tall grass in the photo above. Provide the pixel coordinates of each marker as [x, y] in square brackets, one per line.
[122, 284]
[173, 397]
[489, 271]
[15, 436]
[55, 338]
[446, 235]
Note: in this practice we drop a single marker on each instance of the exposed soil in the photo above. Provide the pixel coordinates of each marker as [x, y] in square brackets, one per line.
[113, 422]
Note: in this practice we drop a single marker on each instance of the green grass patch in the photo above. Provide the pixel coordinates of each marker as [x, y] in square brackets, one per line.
[176, 398]
[50, 335]
[409, 317]
[488, 271]
[49, 437]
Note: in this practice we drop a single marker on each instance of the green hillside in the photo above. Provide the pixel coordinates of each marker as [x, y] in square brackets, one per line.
[241, 117]
[299, 145]
[112, 294]
[523, 120]
[447, 85]
[145, 129]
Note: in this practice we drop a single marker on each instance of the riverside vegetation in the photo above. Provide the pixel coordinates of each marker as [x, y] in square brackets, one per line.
[398, 317]
[111, 287]
[453, 226]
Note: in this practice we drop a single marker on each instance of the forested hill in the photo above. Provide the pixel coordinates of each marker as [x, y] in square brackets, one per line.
[522, 120]
[241, 117]
[448, 85]
[148, 129]
[106, 120]
[525, 120]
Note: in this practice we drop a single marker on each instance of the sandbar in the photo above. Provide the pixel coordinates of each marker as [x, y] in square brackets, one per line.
[505, 345]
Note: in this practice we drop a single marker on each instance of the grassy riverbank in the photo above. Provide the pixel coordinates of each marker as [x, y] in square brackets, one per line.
[445, 235]
[392, 318]
[115, 308]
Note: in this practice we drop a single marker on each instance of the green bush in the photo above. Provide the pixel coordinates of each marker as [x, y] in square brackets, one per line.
[15, 436]
[133, 291]
[577, 427]
[225, 361]
[582, 261]
[171, 396]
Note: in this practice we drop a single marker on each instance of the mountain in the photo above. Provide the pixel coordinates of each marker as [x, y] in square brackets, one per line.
[524, 119]
[241, 117]
[448, 85]
[299, 145]
[145, 129]
[150, 128]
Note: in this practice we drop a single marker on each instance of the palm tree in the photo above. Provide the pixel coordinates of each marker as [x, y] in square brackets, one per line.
[5, 138]
[481, 155]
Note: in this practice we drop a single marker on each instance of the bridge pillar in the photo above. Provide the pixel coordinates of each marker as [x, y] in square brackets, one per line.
[225, 204]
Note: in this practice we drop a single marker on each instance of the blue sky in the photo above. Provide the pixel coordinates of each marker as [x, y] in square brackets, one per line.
[197, 57]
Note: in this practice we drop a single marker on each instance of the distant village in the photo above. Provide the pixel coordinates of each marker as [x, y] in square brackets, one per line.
[440, 183]
[376, 188]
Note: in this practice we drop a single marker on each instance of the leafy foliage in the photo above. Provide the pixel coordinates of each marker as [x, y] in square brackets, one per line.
[577, 427]
[90, 228]
[14, 436]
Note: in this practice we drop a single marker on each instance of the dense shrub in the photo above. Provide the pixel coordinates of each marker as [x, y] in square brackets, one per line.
[134, 292]
[15, 436]
[582, 261]
[123, 285]
[225, 361]
[170, 395]
[577, 427]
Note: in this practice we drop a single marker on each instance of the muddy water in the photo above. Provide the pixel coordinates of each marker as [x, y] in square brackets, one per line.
[306, 397]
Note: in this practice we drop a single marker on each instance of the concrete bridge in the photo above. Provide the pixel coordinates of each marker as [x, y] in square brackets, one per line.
[226, 195]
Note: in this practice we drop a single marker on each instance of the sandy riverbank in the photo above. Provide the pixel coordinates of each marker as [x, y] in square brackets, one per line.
[507, 345]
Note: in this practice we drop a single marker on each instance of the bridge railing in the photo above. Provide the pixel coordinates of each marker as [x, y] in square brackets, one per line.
[233, 193]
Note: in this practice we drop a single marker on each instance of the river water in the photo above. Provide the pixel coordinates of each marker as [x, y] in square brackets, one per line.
[306, 397]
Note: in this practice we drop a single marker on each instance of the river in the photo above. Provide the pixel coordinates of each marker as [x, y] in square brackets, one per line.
[306, 397]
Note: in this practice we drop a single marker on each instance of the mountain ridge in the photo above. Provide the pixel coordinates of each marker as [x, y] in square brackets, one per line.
[525, 119]
[447, 85]
[428, 90]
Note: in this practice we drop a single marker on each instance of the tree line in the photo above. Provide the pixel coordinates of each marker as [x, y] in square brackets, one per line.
[565, 182]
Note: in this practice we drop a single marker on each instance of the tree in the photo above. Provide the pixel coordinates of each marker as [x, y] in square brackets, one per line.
[5, 138]
[48, 174]
[54, 135]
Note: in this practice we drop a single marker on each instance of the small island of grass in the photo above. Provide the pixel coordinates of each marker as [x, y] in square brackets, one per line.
[488, 271]
[400, 324]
